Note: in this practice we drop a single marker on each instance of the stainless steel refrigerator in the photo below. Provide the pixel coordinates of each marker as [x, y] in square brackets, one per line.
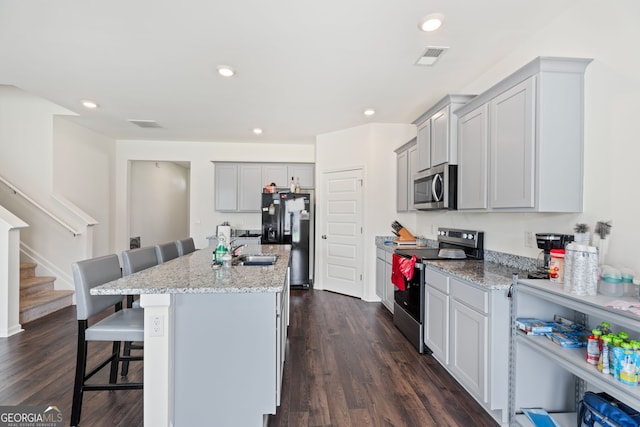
[287, 218]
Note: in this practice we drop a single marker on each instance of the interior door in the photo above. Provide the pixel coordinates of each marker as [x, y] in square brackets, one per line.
[341, 240]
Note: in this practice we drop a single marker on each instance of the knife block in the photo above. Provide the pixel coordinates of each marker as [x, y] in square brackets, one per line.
[405, 236]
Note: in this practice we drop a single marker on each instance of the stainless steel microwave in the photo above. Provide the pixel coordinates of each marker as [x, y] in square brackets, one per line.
[436, 188]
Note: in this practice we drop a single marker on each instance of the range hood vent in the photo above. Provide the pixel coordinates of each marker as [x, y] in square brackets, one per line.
[431, 55]
[145, 123]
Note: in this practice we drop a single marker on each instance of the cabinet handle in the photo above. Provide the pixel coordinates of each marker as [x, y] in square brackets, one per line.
[324, 236]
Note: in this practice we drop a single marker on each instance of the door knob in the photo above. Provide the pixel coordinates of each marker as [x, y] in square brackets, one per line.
[324, 236]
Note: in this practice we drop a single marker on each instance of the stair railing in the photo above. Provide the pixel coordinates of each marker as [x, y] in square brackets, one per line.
[40, 207]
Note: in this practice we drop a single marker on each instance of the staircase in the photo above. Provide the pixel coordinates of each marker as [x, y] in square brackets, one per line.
[37, 296]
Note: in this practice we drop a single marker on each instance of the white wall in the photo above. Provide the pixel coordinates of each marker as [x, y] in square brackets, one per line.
[203, 217]
[612, 90]
[159, 210]
[369, 147]
[83, 172]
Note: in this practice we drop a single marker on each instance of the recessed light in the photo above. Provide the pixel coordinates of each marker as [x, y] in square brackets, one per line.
[226, 71]
[89, 104]
[431, 22]
[369, 112]
[257, 131]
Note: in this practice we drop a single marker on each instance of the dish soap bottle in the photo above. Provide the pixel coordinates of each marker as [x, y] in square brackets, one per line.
[221, 250]
[297, 184]
[292, 186]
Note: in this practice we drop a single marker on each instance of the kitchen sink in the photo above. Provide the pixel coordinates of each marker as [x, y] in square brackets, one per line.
[257, 259]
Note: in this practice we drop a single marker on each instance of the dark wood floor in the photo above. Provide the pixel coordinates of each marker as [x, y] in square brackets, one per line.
[347, 365]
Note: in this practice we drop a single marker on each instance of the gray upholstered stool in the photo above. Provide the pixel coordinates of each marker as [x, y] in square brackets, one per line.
[166, 252]
[185, 246]
[122, 325]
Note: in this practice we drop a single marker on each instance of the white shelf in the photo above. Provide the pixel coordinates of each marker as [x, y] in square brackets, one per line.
[565, 419]
[573, 360]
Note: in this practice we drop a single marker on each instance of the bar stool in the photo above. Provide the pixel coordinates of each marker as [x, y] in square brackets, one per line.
[135, 260]
[166, 252]
[122, 325]
[185, 246]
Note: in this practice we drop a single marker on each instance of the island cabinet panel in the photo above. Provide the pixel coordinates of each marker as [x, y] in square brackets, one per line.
[228, 355]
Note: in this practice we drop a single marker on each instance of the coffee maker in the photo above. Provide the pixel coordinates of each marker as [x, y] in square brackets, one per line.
[546, 242]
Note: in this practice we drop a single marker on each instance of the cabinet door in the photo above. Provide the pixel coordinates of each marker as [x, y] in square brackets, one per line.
[472, 159]
[250, 188]
[380, 277]
[440, 137]
[512, 147]
[468, 358]
[402, 178]
[412, 160]
[306, 173]
[226, 187]
[424, 146]
[275, 173]
[436, 328]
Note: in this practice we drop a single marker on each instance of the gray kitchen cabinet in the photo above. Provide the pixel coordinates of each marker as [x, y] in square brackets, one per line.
[437, 132]
[238, 186]
[276, 173]
[467, 329]
[250, 187]
[472, 159]
[306, 173]
[436, 324]
[384, 287]
[226, 187]
[511, 147]
[424, 146]
[535, 140]
[406, 159]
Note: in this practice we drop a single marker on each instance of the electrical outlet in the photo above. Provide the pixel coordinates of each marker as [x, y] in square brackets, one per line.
[157, 325]
[529, 239]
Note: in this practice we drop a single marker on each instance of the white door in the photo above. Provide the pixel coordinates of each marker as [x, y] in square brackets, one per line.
[341, 238]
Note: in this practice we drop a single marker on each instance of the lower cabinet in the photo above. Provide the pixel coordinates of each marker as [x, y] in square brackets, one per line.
[436, 327]
[467, 329]
[384, 287]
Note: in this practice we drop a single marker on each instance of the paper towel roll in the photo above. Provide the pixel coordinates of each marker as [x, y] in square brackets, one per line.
[224, 230]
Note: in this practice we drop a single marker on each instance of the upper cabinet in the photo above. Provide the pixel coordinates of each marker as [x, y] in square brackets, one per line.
[406, 159]
[520, 143]
[238, 186]
[437, 129]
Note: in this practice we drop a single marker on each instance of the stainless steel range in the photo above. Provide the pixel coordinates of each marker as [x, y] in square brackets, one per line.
[409, 310]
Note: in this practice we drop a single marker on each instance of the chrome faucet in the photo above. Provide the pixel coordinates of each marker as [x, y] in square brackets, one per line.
[234, 250]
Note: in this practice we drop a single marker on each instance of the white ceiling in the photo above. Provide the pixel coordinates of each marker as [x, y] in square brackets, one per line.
[303, 67]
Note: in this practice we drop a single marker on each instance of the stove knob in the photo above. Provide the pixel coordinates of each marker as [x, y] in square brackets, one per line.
[470, 236]
[465, 236]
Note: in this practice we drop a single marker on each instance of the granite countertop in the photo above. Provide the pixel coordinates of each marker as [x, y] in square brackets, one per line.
[487, 273]
[193, 273]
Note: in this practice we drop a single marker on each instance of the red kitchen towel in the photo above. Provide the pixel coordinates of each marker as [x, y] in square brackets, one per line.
[402, 268]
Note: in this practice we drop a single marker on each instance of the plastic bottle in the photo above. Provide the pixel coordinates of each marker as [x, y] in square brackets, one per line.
[221, 250]
[292, 186]
[605, 328]
[297, 187]
[603, 365]
[593, 347]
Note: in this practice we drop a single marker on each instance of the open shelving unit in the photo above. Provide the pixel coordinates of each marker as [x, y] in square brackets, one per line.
[558, 369]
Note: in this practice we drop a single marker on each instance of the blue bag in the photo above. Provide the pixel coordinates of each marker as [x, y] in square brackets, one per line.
[600, 409]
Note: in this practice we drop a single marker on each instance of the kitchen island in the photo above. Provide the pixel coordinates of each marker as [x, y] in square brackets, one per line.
[214, 338]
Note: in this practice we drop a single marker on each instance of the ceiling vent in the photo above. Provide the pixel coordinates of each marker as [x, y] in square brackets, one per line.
[145, 123]
[431, 55]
